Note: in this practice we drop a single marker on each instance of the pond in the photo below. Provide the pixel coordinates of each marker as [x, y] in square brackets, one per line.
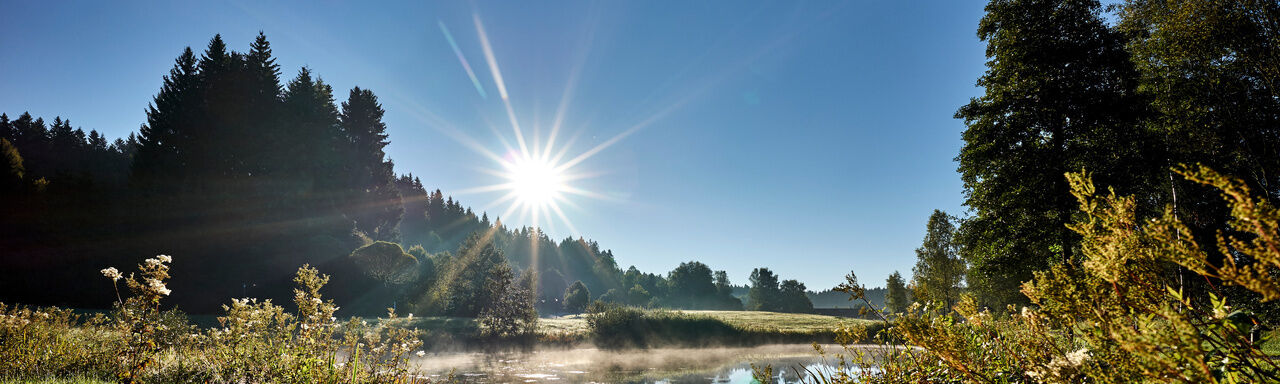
[657, 365]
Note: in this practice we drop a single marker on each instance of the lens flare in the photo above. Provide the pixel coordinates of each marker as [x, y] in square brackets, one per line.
[535, 182]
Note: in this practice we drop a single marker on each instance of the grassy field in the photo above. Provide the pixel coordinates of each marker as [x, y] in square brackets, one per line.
[753, 320]
[577, 324]
[783, 327]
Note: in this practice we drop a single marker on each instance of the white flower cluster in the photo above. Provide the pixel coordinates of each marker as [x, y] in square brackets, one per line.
[1062, 367]
[112, 273]
[13, 320]
[1077, 358]
[158, 286]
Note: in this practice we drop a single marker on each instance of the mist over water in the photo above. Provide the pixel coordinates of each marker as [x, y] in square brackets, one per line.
[656, 365]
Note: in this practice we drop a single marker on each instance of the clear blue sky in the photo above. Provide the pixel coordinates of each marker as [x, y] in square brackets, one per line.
[813, 138]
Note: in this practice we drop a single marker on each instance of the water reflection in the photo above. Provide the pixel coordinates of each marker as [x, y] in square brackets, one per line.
[659, 365]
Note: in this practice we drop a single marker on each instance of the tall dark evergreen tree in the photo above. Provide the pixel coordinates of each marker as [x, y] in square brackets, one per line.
[378, 210]
[263, 106]
[313, 143]
[164, 142]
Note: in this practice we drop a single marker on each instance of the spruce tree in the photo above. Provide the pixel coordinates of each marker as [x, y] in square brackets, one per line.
[163, 143]
[263, 133]
[378, 206]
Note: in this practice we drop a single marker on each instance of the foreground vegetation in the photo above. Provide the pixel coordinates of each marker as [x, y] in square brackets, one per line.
[256, 341]
[1115, 317]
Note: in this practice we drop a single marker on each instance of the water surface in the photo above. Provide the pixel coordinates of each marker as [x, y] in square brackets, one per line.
[656, 365]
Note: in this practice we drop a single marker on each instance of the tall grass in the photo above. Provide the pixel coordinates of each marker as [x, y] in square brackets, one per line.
[254, 342]
[613, 327]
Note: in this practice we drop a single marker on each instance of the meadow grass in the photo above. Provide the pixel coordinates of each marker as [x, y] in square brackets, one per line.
[782, 322]
[748, 327]
[56, 380]
[577, 324]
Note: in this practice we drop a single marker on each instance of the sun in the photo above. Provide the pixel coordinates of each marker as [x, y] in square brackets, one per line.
[534, 182]
[538, 176]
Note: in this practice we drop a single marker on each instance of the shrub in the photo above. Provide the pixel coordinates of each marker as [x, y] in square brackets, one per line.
[37, 343]
[386, 262]
[256, 341]
[614, 326]
[576, 297]
[1113, 317]
[511, 314]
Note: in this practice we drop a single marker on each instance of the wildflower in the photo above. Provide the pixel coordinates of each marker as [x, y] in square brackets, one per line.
[421, 353]
[165, 258]
[112, 273]
[1077, 357]
[410, 316]
[152, 263]
[158, 286]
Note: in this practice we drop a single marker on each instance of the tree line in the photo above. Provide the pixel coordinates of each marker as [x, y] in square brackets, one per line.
[246, 176]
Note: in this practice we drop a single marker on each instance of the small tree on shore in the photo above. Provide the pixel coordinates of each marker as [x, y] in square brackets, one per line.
[895, 299]
[939, 271]
[576, 297]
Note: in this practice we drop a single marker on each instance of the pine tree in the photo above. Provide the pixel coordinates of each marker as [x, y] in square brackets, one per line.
[379, 206]
[263, 110]
[6, 128]
[163, 143]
